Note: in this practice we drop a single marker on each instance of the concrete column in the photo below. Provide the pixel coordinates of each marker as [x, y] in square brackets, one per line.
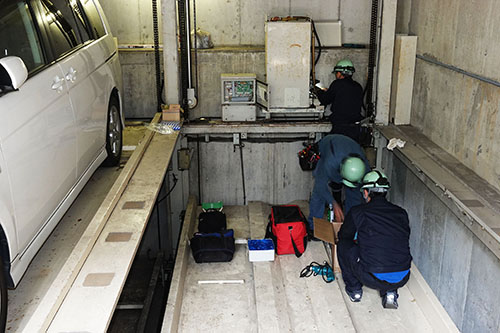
[170, 50]
[386, 52]
[405, 50]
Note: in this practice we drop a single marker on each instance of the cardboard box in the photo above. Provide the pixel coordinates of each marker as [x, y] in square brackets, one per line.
[171, 116]
[171, 113]
[260, 250]
[327, 232]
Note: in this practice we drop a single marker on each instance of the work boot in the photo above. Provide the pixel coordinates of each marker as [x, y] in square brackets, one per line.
[390, 300]
[354, 296]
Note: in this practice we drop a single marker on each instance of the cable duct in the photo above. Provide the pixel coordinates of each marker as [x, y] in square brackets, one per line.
[157, 57]
[370, 105]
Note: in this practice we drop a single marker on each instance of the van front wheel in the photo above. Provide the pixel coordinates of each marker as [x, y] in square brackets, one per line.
[113, 134]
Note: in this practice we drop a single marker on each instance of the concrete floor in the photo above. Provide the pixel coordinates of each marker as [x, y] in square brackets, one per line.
[273, 298]
[45, 266]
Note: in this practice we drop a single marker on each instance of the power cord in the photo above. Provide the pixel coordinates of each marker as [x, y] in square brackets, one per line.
[314, 269]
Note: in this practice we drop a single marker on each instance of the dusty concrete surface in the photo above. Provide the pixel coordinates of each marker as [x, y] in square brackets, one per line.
[273, 298]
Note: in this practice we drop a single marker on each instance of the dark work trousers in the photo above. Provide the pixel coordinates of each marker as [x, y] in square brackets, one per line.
[350, 130]
[355, 276]
[336, 192]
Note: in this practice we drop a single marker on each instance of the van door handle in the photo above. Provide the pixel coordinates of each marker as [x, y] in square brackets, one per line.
[71, 75]
[57, 84]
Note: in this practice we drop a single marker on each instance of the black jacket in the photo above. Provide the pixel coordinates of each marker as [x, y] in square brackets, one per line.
[346, 98]
[383, 235]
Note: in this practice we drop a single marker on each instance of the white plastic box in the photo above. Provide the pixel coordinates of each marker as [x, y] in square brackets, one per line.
[260, 250]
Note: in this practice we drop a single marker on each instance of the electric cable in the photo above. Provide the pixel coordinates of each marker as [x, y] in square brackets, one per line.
[319, 43]
[174, 177]
[315, 269]
[158, 201]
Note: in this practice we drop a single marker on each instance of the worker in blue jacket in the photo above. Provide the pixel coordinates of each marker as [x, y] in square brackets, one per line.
[342, 161]
[380, 257]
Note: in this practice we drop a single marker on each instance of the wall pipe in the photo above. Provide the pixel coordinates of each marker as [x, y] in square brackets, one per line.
[458, 70]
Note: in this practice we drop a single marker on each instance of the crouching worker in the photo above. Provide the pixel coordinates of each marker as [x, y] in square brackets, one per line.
[373, 248]
[343, 162]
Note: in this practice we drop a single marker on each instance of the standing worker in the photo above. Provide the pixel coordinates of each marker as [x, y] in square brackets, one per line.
[346, 98]
[381, 257]
[342, 161]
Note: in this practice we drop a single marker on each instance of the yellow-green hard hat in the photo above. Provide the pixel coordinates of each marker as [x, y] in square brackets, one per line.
[375, 181]
[352, 171]
[345, 67]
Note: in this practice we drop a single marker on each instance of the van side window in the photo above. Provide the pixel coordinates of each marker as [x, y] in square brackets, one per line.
[81, 21]
[62, 31]
[94, 18]
[18, 36]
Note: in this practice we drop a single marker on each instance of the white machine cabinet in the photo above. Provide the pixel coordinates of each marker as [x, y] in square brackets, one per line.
[238, 97]
[288, 64]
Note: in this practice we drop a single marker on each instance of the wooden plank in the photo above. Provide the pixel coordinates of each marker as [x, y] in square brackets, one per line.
[48, 306]
[99, 302]
[174, 302]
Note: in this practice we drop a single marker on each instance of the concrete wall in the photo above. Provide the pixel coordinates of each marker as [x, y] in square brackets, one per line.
[458, 112]
[230, 22]
[131, 22]
[272, 172]
[212, 63]
[461, 271]
[139, 83]
[241, 22]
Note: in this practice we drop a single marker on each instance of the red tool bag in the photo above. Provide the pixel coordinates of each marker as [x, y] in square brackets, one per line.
[287, 227]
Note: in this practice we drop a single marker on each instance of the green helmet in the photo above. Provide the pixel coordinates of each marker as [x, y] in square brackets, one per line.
[375, 181]
[345, 67]
[352, 171]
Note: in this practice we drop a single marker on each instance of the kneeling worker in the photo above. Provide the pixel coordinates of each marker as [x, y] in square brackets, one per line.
[380, 259]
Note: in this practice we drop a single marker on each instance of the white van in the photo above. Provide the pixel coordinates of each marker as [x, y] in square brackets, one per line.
[60, 118]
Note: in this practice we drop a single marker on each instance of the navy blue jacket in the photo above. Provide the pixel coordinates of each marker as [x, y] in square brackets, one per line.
[383, 235]
[333, 149]
[346, 98]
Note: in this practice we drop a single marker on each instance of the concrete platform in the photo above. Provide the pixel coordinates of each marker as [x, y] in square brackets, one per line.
[273, 298]
[24, 300]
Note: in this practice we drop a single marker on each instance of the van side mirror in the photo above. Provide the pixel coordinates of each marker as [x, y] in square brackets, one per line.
[13, 73]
